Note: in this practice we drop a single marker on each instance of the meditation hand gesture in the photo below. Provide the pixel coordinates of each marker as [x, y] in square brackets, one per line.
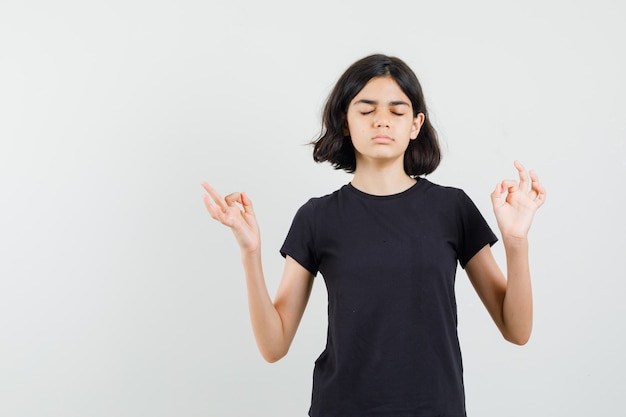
[515, 214]
[235, 211]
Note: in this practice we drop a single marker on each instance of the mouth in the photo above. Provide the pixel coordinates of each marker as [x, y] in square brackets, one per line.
[382, 139]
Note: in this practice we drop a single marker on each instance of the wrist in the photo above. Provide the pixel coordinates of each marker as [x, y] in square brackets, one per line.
[515, 242]
[251, 253]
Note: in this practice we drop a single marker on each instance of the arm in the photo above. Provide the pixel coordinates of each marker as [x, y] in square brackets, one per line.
[274, 322]
[509, 300]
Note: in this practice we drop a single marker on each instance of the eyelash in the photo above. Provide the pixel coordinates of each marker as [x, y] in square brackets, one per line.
[371, 111]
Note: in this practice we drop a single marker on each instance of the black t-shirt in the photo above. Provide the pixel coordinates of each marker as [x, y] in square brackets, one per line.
[389, 264]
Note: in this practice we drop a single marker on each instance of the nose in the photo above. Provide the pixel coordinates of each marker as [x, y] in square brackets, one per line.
[381, 121]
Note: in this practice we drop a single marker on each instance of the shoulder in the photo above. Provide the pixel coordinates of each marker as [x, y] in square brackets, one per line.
[320, 203]
[445, 200]
[443, 192]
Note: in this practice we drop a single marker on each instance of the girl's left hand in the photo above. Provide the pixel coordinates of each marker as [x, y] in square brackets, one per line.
[515, 214]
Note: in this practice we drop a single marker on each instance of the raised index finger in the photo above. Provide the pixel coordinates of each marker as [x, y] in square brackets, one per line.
[215, 196]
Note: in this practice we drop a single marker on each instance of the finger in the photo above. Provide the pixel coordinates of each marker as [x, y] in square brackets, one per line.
[213, 210]
[247, 204]
[534, 181]
[538, 189]
[523, 175]
[217, 198]
[541, 198]
[496, 196]
[510, 185]
[233, 198]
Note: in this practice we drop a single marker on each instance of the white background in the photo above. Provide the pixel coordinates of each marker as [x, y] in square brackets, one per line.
[120, 296]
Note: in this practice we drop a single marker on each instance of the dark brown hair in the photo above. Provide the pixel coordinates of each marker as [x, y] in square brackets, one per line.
[422, 155]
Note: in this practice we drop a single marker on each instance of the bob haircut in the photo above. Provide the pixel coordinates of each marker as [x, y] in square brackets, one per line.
[423, 154]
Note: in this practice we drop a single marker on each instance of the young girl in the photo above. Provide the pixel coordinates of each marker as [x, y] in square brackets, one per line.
[387, 245]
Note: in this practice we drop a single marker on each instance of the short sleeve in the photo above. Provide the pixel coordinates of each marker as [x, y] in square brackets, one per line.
[299, 243]
[474, 232]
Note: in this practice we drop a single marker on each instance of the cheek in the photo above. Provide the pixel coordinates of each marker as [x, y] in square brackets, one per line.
[351, 127]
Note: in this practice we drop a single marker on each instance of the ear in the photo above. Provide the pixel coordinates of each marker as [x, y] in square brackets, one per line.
[418, 121]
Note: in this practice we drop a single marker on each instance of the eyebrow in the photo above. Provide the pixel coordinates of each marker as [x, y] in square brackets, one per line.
[374, 102]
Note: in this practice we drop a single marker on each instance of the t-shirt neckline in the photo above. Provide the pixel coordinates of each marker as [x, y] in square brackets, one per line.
[351, 188]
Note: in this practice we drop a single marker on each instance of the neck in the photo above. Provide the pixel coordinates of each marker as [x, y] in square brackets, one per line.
[382, 181]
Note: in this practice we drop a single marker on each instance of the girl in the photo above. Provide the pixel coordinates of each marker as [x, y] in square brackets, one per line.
[387, 245]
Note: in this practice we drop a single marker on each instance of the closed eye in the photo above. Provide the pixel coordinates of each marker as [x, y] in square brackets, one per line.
[364, 113]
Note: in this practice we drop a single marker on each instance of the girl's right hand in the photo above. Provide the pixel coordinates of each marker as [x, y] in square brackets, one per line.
[227, 211]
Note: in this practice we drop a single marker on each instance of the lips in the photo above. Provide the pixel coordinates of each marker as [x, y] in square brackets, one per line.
[382, 139]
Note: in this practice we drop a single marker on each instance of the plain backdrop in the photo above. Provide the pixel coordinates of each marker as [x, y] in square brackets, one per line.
[120, 296]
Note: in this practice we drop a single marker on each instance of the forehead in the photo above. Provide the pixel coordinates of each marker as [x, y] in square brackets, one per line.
[381, 89]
